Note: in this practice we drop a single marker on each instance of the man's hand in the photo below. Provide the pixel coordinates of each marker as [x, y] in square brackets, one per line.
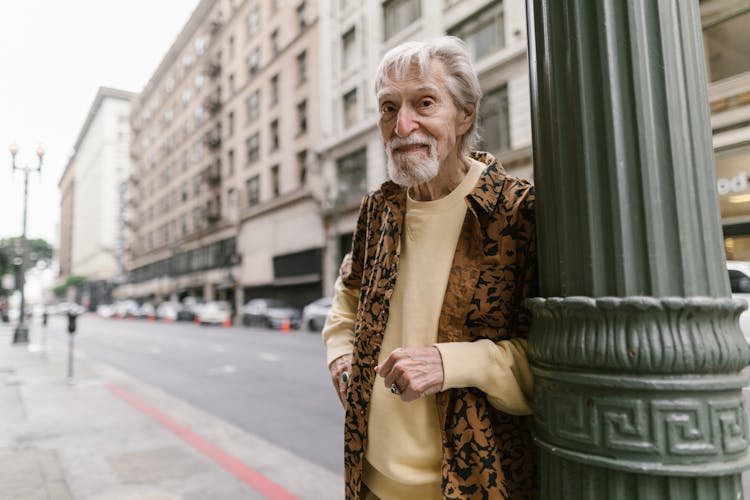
[416, 371]
[337, 368]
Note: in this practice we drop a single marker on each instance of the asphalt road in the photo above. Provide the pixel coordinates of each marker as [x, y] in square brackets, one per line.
[272, 384]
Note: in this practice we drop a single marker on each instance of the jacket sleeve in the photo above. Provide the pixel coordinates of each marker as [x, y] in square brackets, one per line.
[501, 369]
[338, 332]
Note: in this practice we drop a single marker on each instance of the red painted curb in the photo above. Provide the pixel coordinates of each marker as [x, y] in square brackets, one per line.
[252, 478]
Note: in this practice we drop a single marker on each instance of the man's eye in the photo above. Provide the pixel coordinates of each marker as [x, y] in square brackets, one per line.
[388, 108]
[427, 103]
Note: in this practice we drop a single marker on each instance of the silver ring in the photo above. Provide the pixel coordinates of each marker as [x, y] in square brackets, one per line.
[345, 377]
[395, 390]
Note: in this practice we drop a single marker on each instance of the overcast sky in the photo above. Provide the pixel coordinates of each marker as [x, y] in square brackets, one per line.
[54, 55]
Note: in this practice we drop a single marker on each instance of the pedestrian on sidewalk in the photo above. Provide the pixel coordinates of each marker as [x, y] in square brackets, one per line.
[426, 339]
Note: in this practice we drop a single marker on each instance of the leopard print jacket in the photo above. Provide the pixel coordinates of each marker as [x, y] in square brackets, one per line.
[487, 454]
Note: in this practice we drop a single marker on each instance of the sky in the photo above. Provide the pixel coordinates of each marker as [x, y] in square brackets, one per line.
[54, 55]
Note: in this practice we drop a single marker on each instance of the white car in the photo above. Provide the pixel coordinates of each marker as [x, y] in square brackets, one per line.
[739, 279]
[167, 311]
[314, 314]
[219, 313]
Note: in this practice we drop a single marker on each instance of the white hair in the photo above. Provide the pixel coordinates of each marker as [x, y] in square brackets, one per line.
[461, 79]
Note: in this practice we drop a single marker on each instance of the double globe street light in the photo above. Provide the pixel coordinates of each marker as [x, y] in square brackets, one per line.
[21, 333]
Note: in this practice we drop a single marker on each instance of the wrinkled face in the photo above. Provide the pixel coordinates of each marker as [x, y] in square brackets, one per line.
[420, 125]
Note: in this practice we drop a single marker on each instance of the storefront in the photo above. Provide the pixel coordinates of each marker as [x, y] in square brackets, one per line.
[733, 184]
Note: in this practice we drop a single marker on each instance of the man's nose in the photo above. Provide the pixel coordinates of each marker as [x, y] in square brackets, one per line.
[405, 123]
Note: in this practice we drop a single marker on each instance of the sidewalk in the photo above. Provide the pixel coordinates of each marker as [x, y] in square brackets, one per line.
[108, 436]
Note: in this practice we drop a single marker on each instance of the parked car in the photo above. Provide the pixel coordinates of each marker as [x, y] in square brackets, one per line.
[147, 310]
[214, 313]
[167, 311]
[739, 280]
[270, 313]
[314, 314]
[127, 309]
[105, 310]
[188, 308]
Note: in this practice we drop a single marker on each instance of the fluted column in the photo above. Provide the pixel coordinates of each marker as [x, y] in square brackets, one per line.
[636, 348]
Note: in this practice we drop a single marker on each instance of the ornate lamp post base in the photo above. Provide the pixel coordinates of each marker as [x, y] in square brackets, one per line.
[21, 334]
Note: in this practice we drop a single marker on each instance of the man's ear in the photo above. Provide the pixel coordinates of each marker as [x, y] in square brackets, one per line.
[466, 118]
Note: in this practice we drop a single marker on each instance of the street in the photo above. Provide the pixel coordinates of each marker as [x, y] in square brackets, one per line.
[272, 384]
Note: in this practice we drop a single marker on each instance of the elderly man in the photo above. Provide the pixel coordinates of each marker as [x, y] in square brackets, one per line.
[426, 337]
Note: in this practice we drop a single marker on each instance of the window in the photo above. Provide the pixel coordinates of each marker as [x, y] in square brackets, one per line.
[347, 49]
[301, 67]
[253, 148]
[302, 117]
[275, 180]
[302, 167]
[230, 163]
[198, 152]
[253, 106]
[483, 33]
[274, 6]
[198, 113]
[275, 42]
[197, 181]
[301, 16]
[231, 84]
[351, 177]
[726, 38]
[398, 14]
[184, 224]
[184, 191]
[200, 45]
[253, 62]
[253, 21]
[186, 95]
[274, 135]
[230, 123]
[253, 191]
[275, 89]
[198, 82]
[197, 218]
[231, 47]
[493, 121]
[350, 108]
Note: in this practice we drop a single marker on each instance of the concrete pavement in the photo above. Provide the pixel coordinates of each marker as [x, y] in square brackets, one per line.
[108, 436]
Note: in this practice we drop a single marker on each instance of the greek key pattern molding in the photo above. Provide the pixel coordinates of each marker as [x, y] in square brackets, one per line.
[677, 335]
[662, 427]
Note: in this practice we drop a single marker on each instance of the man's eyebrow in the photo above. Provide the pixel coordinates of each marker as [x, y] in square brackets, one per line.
[421, 89]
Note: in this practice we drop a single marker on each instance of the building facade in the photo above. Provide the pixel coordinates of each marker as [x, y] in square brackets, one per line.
[224, 203]
[93, 188]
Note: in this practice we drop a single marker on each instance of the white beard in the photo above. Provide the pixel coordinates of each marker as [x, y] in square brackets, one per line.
[410, 170]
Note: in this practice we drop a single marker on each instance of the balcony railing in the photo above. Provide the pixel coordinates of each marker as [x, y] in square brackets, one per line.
[213, 173]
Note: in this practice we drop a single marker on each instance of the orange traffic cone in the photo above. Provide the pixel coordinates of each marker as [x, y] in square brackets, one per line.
[285, 326]
[197, 321]
[227, 323]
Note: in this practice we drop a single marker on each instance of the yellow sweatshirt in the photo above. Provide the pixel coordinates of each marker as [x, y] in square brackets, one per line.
[404, 449]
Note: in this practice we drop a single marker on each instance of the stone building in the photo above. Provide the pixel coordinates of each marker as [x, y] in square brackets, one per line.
[93, 189]
[224, 182]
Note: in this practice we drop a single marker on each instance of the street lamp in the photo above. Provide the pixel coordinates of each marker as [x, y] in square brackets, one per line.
[21, 334]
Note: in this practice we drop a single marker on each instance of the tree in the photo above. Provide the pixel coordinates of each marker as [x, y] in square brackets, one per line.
[39, 251]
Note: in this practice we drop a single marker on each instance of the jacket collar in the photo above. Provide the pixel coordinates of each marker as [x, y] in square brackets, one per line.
[485, 194]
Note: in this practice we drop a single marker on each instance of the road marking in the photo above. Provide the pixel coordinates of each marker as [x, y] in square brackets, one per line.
[218, 348]
[269, 356]
[249, 476]
[222, 370]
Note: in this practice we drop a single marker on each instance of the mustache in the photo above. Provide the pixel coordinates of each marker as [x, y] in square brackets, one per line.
[413, 140]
